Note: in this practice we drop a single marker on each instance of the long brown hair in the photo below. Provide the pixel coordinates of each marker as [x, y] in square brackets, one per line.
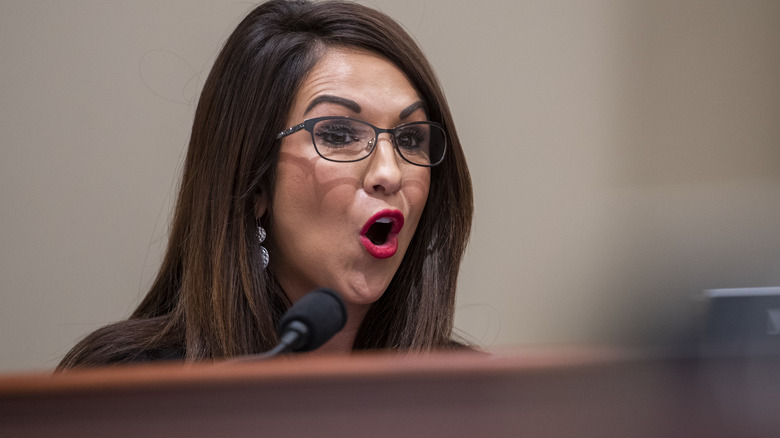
[212, 298]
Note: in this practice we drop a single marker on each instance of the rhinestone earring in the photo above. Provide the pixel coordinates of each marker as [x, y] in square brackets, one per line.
[261, 238]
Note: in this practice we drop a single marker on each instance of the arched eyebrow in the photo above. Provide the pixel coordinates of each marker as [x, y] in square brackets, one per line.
[356, 108]
[409, 110]
[326, 98]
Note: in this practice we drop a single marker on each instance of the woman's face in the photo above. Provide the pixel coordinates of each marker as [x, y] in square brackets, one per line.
[324, 212]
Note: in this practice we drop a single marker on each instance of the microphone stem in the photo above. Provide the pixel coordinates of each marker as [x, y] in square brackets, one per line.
[288, 339]
[279, 349]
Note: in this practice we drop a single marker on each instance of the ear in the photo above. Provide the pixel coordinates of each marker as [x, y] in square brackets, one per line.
[261, 205]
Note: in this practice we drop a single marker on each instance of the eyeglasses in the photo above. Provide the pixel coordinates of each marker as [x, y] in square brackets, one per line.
[346, 140]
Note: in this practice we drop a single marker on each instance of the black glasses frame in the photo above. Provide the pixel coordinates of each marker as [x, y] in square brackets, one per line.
[308, 126]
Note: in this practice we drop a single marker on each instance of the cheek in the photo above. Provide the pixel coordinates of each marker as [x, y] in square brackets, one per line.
[416, 187]
[309, 189]
[293, 202]
[292, 187]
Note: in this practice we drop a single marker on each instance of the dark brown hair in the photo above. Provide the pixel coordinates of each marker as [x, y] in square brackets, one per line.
[212, 298]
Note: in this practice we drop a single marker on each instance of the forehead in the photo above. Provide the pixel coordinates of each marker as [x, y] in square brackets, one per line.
[371, 80]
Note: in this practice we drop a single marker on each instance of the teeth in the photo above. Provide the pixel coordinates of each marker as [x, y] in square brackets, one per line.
[384, 220]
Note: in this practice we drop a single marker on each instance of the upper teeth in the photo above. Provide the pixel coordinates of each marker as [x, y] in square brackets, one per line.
[384, 220]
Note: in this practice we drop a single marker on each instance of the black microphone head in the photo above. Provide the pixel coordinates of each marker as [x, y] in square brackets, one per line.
[323, 313]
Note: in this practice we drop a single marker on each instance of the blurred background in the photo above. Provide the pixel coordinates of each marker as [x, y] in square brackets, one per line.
[625, 156]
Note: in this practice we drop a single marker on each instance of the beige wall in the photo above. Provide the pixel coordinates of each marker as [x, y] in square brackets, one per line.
[625, 156]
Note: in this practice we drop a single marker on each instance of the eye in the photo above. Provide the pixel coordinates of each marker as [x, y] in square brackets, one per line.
[413, 138]
[337, 134]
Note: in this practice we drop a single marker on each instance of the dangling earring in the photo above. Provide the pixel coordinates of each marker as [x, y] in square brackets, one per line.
[261, 238]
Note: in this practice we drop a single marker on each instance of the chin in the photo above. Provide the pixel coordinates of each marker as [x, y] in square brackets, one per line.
[364, 294]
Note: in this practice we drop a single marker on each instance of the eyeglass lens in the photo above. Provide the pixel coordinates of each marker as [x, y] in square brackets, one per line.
[350, 140]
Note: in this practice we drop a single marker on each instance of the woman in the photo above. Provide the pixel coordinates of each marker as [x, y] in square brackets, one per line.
[323, 153]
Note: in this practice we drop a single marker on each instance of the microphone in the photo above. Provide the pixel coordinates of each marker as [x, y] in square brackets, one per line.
[308, 323]
[312, 320]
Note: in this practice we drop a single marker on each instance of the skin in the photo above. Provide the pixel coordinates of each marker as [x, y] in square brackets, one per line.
[320, 206]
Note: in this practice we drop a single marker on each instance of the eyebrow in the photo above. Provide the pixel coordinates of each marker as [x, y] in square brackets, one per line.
[356, 108]
[348, 103]
[409, 110]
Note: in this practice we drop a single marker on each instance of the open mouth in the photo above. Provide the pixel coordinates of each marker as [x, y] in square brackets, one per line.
[380, 233]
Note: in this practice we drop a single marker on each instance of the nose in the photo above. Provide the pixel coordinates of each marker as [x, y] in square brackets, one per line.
[383, 174]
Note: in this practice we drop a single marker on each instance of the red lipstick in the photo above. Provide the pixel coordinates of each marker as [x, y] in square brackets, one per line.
[380, 233]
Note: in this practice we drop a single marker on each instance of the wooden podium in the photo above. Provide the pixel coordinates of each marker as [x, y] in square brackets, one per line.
[529, 393]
